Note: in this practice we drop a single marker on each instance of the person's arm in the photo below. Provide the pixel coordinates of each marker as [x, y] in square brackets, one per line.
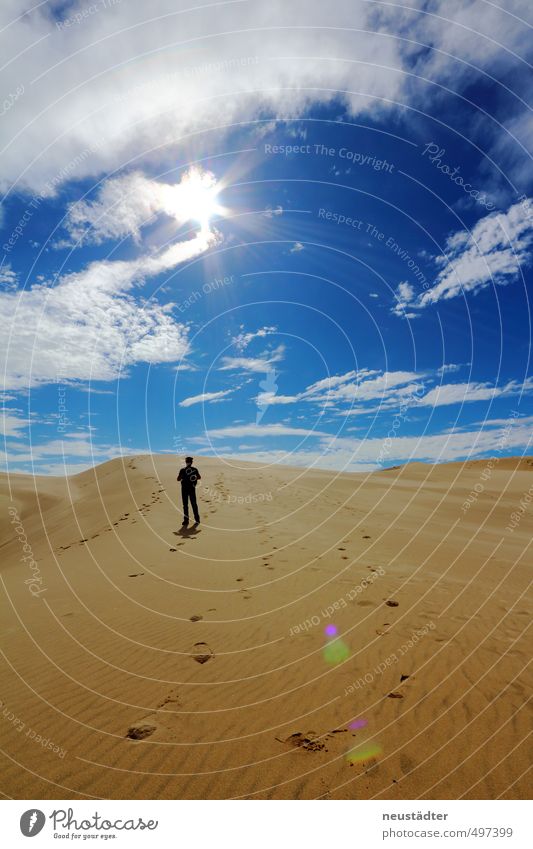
[180, 475]
[198, 475]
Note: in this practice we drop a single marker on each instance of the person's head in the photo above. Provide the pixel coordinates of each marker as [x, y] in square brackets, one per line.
[188, 461]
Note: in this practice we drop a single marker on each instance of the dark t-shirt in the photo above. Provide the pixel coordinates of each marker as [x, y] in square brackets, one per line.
[188, 476]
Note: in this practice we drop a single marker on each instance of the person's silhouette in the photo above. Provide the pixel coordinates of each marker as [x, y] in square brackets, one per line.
[188, 476]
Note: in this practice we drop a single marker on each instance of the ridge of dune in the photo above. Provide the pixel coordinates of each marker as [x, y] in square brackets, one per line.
[155, 663]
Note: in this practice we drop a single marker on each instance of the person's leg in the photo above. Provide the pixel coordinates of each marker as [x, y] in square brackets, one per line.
[185, 499]
[192, 496]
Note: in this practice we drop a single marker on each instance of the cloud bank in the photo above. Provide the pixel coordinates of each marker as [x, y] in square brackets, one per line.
[100, 90]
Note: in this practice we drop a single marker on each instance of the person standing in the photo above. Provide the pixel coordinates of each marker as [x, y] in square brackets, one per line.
[189, 476]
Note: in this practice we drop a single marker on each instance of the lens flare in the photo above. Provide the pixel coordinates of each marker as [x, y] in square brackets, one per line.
[363, 753]
[358, 723]
[336, 652]
[330, 630]
[196, 196]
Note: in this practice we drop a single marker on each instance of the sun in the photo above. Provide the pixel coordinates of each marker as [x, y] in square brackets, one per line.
[199, 197]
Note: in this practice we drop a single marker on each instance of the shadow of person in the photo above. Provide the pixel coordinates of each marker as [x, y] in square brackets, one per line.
[187, 531]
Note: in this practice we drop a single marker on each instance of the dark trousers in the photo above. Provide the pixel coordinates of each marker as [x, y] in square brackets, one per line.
[189, 492]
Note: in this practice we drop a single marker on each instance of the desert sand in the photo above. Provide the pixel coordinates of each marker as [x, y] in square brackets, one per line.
[140, 661]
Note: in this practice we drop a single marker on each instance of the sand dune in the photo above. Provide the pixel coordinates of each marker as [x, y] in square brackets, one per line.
[143, 662]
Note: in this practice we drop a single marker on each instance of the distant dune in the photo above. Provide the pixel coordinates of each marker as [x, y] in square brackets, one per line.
[143, 662]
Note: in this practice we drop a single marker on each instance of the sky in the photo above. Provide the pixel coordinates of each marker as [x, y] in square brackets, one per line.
[289, 233]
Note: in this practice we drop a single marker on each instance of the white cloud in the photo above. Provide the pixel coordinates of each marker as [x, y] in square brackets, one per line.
[270, 213]
[125, 204]
[64, 452]
[243, 339]
[492, 252]
[448, 368]
[437, 448]
[99, 94]
[394, 390]
[8, 277]
[405, 294]
[91, 390]
[204, 398]
[326, 384]
[296, 248]
[101, 326]
[361, 386]
[265, 399]
[510, 420]
[244, 430]
[511, 149]
[11, 423]
[461, 393]
[377, 387]
[351, 454]
[352, 387]
[103, 92]
[260, 364]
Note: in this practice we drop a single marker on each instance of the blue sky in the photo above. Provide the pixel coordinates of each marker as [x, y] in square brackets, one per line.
[359, 296]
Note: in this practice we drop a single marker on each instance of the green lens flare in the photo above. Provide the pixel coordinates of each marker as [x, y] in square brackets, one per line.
[335, 652]
[364, 752]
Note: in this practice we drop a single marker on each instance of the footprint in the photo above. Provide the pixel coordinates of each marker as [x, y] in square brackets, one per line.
[391, 603]
[139, 732]
[172, 549]
[367, 537]
[406, 764]
[135, 574]
[171, 699]
[201, 653]
[195, 618]
[305, 741]
[395, 695]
